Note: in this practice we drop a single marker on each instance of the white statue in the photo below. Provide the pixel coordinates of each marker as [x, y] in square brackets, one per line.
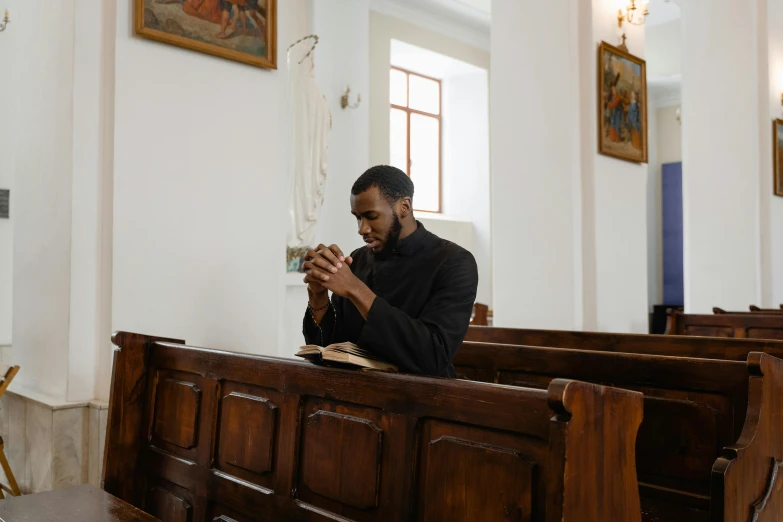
[310, 124]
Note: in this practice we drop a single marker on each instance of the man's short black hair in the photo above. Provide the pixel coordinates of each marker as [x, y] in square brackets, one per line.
[392, 183]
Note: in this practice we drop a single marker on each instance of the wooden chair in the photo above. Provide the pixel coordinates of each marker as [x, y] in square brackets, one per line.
[12, 488]
[479, 317]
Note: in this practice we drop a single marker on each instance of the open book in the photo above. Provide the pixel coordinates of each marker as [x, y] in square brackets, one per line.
[345, 354]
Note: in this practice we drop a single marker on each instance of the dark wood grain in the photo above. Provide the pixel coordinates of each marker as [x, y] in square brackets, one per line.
[754, 308]
[738, 325]
[126, 408]
[76, 504]
[671, 345]
[742, 479]
[334, 444]
[693, 407]
[711, 429]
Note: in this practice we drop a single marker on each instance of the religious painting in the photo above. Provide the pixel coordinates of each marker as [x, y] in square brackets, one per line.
[622, 104]
[240, 30]
[777, 145]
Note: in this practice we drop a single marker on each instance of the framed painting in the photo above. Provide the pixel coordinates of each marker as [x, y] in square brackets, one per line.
[622, 104]
[240, 30]
[777, 146]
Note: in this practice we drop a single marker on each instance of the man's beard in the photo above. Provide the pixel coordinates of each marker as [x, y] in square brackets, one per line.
[392, 238]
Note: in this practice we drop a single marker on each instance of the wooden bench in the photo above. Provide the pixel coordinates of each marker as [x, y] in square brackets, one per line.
[204, 435]
[671, 345]
[710, 443]
[750, 325]
[753, 311]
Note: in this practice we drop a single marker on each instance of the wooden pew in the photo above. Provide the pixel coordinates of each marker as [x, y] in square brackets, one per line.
[203, 435]
[751, 326]
[671, 345]
[758, 311]
[710, 442]
[754, 308]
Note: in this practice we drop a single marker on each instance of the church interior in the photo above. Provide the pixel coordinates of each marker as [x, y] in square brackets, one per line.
[614, 167]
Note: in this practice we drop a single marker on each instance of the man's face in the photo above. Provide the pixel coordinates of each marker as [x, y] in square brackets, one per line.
[379, 223]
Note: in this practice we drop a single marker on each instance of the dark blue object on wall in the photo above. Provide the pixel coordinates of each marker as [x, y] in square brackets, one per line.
[671, 210]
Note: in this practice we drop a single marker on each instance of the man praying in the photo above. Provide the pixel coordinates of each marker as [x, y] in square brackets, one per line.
[407, 295]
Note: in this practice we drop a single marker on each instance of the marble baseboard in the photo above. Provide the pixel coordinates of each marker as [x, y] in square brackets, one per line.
[51, 444]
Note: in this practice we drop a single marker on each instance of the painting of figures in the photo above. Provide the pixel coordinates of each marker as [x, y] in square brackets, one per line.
[777, 132]
[241, 30]
[622, 104]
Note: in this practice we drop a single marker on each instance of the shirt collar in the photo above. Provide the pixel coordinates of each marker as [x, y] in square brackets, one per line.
[414, 242]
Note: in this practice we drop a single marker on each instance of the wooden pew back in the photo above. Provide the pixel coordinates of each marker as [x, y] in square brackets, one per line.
[693, 407]
[196, 435]
[688, 405]
[750, 325]
[754, 308]
[671, 345]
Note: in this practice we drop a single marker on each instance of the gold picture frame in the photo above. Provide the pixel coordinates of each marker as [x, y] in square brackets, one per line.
[229, 29]
[622, 104]
[777, 154]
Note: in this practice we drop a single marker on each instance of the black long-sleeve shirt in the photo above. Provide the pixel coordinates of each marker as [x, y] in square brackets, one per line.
[425, 293]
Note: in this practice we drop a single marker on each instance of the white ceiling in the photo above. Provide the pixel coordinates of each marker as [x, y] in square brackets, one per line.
[473, 13]
[429, 63]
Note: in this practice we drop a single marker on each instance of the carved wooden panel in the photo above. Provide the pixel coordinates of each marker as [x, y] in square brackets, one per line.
[247, 432]
[176, 412]
[167, 506]
[765, 333]
[709, 331]
[469, 474]
[341, 458]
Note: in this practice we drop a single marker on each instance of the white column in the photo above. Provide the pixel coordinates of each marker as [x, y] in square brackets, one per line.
[721, 153]
[615, 201]
[772, 253]
[58, 201]
[8, 46]
[535, 154]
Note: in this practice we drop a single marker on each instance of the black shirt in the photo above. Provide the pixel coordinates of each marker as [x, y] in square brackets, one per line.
[425, 293]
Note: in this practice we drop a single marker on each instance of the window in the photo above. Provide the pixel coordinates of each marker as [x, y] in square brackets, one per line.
[414, 144]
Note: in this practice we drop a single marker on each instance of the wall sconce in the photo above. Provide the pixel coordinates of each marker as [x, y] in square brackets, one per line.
[4, 22]
[344, 103]
[631, 15]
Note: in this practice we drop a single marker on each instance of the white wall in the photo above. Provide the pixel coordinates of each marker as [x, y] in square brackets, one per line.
[43, 73]
[58, 133]
[569, 226]
[620, 210]
[199, 190]
[466, 177]
[772, 220]
[383, 29]
[721, 155]
[8, 47]
[665, 147]
[663, 48]
[535, 153]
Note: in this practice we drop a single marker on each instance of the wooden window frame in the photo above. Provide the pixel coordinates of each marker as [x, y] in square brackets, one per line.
[408, 111]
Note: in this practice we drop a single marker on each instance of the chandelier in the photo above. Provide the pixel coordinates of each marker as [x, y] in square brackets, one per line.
[633, 15]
